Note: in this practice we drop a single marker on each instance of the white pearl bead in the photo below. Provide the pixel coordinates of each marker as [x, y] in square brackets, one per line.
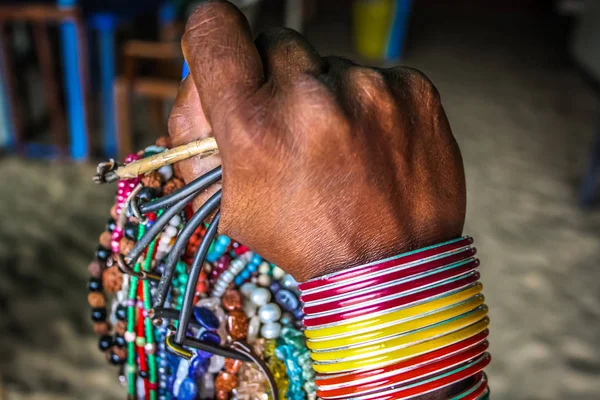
[175, 221]
[166, 172]
[278, 273]
[247, 289]
[170, 231]
[260, 296]
[271, 330]
[227, 276]
[164, 239]
[264, 268]
[264, 280]
[216, 364]
[253, 328]
[269, 312]
[249, 308]
[130, 336]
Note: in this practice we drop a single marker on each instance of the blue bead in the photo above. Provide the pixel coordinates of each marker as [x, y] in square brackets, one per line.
[252, 268]
[298, 314]
[206, 318]
[286, 300]
[275, 287]
[198, 367]
[188, 390]
[256, 260]
[171, 382]
[211, 338]
[245, 274]
[238, 281]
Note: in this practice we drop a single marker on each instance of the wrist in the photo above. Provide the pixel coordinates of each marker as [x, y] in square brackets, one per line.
[404, 326]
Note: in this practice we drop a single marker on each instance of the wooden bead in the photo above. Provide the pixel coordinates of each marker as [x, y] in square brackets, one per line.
[126, 246]
[120, 352]
[112, 280]
[113, 212]
[95, 269]
[96, 300]
[163, 141]
[222, 395]
[121, 327]
[152, 179]
[172, 185]
[101, 328]
[105, 239]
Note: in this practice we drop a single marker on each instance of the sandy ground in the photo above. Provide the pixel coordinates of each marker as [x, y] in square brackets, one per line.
[524, 120]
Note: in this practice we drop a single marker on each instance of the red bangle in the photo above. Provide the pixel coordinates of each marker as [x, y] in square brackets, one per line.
[382, 294]
[324, 381]
[390, 275]
[402, 301]
[440, 366]
[431, 385]
[363, 270]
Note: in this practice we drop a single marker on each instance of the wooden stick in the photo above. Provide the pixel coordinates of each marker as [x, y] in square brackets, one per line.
[202, 148]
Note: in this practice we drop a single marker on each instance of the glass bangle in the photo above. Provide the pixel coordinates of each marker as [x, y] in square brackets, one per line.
[409, 376]
[402, 354]
[366, 284]
[401, 302]
[393, 317]
[393, 289]
[363, 270]
[393, 330]
[402, 340]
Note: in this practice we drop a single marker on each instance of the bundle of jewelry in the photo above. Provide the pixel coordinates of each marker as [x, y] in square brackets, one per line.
[187, 314]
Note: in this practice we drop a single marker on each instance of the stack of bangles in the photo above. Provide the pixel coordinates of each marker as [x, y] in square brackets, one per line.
[187, 314]
[401, 327]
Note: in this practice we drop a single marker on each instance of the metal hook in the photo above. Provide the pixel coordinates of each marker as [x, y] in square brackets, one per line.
[126, 269]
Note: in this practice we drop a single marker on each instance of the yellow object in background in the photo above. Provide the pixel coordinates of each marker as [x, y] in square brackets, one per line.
[372, 19]
[380, 27]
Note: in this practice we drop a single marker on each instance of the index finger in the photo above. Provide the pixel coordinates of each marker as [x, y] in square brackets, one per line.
[222, 58]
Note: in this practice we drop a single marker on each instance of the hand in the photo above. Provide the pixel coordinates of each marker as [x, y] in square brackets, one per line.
[326, 164]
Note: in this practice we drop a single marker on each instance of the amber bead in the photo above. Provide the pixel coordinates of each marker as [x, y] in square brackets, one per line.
[237, 324]
[105, 239]
[101, 328]
[232, 300]
[112, 279]
[226, 382]
[96, 299]
[222, 395]
[152, 180]
[232, 366]
[121, 327]
[125, 246]
[172, 185]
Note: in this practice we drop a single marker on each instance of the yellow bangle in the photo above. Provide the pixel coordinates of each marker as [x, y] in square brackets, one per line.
[395, 317]
[392, 357]
[419, 323]
[402, 340]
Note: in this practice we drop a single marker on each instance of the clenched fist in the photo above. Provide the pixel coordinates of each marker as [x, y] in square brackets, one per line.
[326, 164]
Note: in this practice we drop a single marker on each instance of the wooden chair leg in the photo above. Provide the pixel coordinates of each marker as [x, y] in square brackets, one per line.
[122, 116]
[51, 91]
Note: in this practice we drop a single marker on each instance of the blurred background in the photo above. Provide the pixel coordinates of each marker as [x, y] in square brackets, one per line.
[84, 80]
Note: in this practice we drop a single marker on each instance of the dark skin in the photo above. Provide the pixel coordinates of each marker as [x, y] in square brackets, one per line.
[326, 164]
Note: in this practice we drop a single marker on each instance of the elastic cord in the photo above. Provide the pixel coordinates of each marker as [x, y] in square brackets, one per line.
[190, 290]
[193, 187]
[180, 245]
[156, 228]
